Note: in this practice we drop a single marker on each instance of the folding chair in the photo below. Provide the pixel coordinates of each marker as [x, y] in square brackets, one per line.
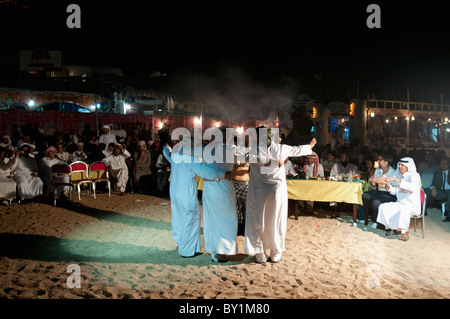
[79, 175]
[58, 171]
[423, 200]
[99, 173]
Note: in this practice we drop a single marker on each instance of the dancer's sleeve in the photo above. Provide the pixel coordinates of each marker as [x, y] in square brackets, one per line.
[208, 172]
[296, 151]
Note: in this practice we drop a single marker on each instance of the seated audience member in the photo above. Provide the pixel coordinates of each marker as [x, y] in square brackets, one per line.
[61, 154]
[427, 169]
[117, 167]
[120, 133]
[79, 154]
[26, 171]
[91, 146]
[313, 168]
[107, 137]
[130, 144]
[6, 142]
[440, 187]
[325, 152]
[378, 193]
[361, 163]
[289, 168]
[25, 139]
[109, 150]
[7, 183]
[343, 167]
[45, 173]
[71, 146]
[142, 162]
[397, 215]
[329, 161]
[146, 133]
[162, 174]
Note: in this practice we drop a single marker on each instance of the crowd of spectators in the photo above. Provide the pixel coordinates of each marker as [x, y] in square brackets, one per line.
[137, 165]
[132, 158]
[380, 161]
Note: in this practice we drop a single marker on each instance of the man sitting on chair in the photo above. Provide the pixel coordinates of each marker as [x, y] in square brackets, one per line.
[397, 215]
[440, 187]
[117, 167]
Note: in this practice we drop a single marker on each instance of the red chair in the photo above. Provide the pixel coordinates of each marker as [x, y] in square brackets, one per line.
[58, 171]
[423, 200]
[99, 173]
[79, 175]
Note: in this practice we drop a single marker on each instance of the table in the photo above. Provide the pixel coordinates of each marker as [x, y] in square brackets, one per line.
[325, 191]
[320, 191]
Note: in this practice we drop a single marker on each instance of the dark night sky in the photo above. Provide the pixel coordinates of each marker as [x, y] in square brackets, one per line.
[267, 41]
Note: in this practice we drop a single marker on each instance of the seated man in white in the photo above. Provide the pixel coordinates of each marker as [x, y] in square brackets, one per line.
[26, 171]
[344, 167]
[7, 183]
[117, 167]
[397, 215]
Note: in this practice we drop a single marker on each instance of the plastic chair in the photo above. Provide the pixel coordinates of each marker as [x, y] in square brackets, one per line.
[79, 175]
[59, 170]
[423, 200]
[99, 173]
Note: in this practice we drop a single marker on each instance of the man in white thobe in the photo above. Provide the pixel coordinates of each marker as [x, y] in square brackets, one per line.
[45, 173]
[184, 201]
[117, 167]
[107, 137]
[26, 170]
[7, 183]
[267, 202]
[397, 215]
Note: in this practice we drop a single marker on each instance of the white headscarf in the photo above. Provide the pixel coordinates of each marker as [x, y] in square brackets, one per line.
[408, 162]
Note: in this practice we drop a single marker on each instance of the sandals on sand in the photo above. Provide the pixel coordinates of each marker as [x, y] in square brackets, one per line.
[404, 237]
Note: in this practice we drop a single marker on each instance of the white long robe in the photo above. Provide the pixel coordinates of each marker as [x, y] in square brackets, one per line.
[219, 210]
[397, 215]
[28, 186]
[184, 202]
[7, 185]
[267, 202]
[119, 168]
[106, 139]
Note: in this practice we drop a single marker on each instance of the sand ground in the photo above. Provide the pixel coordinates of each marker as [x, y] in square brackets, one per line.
[124, 249]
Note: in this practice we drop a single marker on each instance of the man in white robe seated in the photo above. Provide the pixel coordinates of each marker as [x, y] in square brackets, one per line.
[45, 172]
[29, 185]
[117, 167]
[107, 137]
[397, 215]
[7, 183]
[342, 168]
